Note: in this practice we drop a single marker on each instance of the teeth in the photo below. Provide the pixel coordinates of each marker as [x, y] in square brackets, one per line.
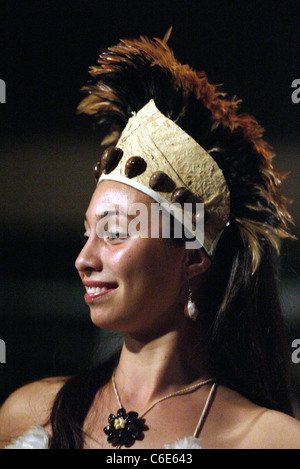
[95, 289]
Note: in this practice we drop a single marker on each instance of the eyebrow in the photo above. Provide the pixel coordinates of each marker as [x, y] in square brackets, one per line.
[108, 213]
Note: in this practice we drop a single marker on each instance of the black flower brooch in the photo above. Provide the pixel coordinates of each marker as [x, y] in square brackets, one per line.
[124, 428]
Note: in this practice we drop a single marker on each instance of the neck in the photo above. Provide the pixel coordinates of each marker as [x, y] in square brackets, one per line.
[150, 368]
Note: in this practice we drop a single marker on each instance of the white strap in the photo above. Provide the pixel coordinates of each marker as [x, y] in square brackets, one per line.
[204, 411]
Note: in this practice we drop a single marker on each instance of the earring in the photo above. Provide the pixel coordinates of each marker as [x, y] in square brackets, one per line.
[190, 309]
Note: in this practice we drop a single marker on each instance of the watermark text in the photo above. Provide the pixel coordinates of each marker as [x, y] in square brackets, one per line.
[176, 221]
[2, 91]
[2, 351]
[296, 353]
[296, 93]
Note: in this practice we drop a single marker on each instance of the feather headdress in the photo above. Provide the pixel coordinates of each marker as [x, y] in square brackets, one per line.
[131, 73]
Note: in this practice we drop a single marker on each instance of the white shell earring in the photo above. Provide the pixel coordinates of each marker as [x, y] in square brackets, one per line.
[190, 310]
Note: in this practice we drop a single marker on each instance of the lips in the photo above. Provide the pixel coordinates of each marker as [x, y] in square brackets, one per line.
[97, 290]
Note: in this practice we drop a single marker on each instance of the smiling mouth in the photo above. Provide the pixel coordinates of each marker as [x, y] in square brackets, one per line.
[94, 292]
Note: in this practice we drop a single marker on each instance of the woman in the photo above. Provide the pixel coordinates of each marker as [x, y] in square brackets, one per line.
[203, 363]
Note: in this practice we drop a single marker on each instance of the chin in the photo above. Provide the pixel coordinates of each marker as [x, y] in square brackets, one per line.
[108, 320]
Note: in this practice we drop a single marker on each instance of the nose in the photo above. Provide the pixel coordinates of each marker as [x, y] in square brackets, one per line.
[89, 258]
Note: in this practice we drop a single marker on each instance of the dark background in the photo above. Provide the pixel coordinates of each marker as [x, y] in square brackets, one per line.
[47, 151]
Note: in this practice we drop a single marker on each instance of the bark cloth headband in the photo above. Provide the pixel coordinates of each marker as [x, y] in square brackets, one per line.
[157, 157]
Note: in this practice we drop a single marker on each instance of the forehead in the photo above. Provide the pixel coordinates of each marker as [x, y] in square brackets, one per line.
[112, 193]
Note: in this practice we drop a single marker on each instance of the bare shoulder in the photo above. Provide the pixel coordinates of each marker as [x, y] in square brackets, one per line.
[27, 406]
[234, 422]
[277, 430]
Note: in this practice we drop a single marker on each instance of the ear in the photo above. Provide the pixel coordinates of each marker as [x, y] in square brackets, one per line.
[196, 262]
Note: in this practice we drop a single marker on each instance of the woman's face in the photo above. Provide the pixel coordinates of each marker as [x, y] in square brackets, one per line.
[133, 284]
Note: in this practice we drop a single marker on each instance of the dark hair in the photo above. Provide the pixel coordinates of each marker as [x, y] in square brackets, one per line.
[73, 402]
[243, 320]
[246, 331]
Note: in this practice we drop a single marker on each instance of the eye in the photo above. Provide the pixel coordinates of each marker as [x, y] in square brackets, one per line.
[112, 230]
[115, 236]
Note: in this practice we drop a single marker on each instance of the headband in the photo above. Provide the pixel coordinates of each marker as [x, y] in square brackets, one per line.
[155, 156]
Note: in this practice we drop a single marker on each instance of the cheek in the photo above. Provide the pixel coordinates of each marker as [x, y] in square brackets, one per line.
[149, 273]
